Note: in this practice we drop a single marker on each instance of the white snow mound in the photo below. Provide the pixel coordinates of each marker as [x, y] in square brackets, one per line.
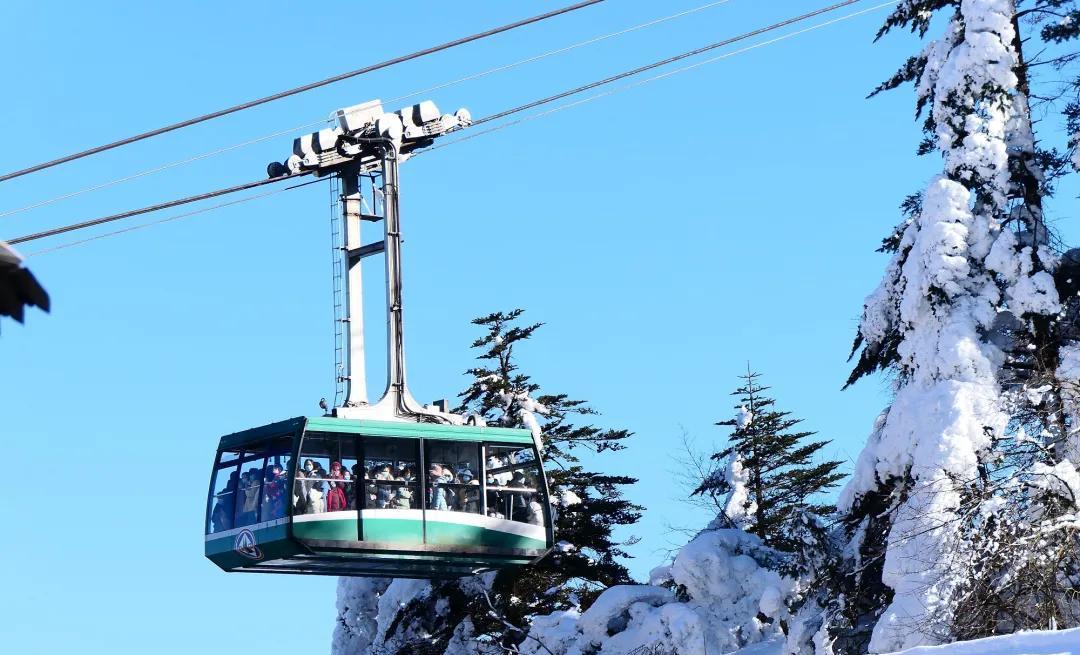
[1041, 642]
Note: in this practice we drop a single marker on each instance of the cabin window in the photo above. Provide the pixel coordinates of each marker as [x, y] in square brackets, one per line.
[453, 484]
[350, 471]
[316, 471]
[512, 484]
[275, 487]
[325, 480]
[223, 495]
[247, 493]
[248, 485]
[389, 473]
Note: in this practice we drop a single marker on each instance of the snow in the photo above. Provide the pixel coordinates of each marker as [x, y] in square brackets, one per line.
[1042, 642]
[357, 608]
[739, 507]
[527, 408]
[744, 417]
[1068, 375]
[567, 497]
[726, 579]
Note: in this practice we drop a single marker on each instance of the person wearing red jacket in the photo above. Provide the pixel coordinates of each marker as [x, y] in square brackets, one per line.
[336, 501]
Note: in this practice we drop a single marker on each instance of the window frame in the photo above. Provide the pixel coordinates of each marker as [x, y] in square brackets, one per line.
[245, 454]
[480, 449]
[536, 464]
[219, 466]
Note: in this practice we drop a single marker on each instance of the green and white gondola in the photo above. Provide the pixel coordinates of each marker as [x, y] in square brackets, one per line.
[493, 514]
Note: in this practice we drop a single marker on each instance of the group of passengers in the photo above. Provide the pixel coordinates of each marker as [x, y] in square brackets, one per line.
[390, 487]
[315, 490]
[450, 490]
[238, 504]
[510, 494]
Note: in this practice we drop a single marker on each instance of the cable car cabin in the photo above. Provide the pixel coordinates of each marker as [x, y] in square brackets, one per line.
[351, 497]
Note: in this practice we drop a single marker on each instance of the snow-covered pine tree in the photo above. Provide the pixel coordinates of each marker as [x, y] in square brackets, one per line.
[771, 487]
[967, 320]
[768, 472]
[589, 504]
[490, 613]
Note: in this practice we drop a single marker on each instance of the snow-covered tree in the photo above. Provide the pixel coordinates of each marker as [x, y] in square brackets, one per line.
[491, 613]
[768, 471]
[967, 318]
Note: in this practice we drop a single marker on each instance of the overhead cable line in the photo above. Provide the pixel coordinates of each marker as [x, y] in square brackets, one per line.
[201, 210]
[151, 208]
[300, 89]
[156, 169]
[443, 85]
[626, 87]
[665, 62]
[509, 112]
[559, 51]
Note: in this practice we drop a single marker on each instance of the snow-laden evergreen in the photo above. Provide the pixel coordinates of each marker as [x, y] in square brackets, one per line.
[749, 578]
[768, 471]
[722, 592]
[966, 299]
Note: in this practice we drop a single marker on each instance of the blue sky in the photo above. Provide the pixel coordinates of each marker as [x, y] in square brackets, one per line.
[666, 235]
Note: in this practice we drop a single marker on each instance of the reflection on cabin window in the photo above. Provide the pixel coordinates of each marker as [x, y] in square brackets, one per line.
[391, 480]
[511, 484]
[452, 476]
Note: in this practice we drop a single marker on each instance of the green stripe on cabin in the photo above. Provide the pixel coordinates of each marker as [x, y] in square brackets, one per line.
[417, 430]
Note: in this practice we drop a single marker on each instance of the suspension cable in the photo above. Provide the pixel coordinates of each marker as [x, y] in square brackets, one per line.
[559, 51]
[156, 169]
[443, 85]
[665, 62]
[503, 114]
[300, 89]
[201, 210]
[151, 208]
[627, 87]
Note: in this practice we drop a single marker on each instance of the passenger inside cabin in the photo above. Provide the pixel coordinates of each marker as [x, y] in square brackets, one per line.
[468, 498]
[222, 515]
[316, 498]
[350, 491]
[403, 498]
[384, 493]
[438, 498]
[494, 498]
[273, 494]
[518, 502]
[247, 501]
[300, 493]
[336, 500]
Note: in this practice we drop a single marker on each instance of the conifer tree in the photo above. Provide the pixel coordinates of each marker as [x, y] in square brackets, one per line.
[951, 492]
[589, 504]
[769, 476]
[490, 613]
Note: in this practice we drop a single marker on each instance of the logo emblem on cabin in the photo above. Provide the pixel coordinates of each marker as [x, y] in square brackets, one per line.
[246, 546]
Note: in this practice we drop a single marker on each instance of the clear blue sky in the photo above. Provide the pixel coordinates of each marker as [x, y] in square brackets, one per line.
[666, 235]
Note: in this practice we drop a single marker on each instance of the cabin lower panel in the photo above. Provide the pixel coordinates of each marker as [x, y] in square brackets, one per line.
[457, 544]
